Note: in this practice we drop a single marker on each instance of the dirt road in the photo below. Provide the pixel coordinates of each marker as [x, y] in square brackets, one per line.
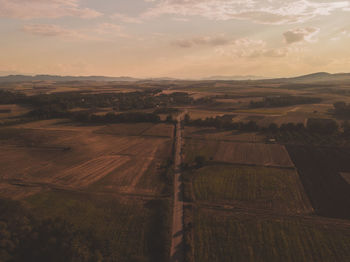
[177, 241]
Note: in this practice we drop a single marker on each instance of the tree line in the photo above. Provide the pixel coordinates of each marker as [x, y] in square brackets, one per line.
[147, 99]
[282, 101]
[317, 126]
[60, 105]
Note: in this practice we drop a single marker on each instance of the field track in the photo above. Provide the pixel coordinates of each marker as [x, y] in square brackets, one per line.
[177, 241]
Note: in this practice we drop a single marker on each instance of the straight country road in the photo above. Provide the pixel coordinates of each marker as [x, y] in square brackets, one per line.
[177, 241]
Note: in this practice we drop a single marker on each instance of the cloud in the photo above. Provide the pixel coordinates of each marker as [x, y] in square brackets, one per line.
[300, 34]
[202, 41]
[242, 48]
[262, 11]
[180, 19]
[249, 48]
[48, 30]
[106, 28]
[29, 9]
[110, 30]
[126, 19]
[341, 33]
[100, 32]
[51, 30]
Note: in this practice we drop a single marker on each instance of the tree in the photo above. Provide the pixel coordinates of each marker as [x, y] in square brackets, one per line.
[187, 118]
[322, 126]
[169, 119]
[273, 128]
[200, 161]
[339, 105]
[346, 127]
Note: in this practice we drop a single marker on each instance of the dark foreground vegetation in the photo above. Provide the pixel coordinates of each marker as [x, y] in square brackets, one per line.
[24, 237]
[67, 227]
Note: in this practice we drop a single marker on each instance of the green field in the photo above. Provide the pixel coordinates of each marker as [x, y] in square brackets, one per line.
[226, 237]
[263, 187]
[126, 230]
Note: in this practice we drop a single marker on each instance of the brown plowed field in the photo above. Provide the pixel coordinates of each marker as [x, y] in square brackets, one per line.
[319, 169]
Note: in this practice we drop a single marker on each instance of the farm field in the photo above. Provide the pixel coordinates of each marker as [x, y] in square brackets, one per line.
[138, 129]
[257, 187]
[249, 202]
[319, 169]
[222, 236]
[63, 155]
[238, 153]
[238, 195]
[213, 134]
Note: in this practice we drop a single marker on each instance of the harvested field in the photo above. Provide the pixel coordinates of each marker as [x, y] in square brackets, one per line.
[319, 169]
[91, 171]
[160, 130]
[139, 129]
[18, 191]
[238, 153]
[79, 157]
[125, 129]
[260, 187]
[214, 134]
[230, 236]
[138, 174]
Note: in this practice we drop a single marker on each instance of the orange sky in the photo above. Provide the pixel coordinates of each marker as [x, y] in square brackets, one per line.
[175, 38]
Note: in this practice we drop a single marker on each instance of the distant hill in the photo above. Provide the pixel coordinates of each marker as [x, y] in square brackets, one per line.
[235, 78]
[316, 77]
[26, 78]
[310, 78]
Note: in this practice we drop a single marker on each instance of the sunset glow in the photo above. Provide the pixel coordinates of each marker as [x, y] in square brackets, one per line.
[174, 38]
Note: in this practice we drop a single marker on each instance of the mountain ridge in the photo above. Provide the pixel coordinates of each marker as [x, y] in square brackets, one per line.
[318, 76]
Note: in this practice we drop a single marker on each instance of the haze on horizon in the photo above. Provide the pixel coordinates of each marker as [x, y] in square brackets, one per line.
[174, 38]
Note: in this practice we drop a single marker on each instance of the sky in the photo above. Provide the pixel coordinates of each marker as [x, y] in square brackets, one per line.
[174, 38]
